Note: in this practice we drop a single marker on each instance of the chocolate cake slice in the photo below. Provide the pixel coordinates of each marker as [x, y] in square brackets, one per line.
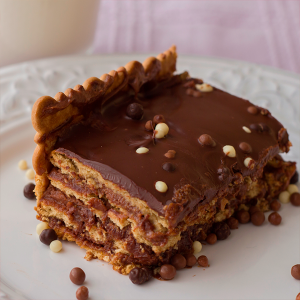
[137, 165]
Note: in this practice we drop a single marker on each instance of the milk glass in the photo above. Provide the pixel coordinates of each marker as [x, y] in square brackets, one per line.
[32, 29]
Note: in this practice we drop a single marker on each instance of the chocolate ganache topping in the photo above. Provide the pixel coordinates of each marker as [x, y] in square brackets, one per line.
[201, 124]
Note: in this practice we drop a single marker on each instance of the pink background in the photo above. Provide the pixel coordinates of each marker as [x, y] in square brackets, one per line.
[260, 31]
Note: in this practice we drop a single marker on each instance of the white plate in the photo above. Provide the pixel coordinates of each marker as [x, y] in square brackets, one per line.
[253, 263]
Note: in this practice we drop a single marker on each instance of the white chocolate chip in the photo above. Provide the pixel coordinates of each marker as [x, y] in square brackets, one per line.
[249, 162]
[22, 164]
[41, 226]
[197, 247]
[292, 188]
[161, 186]
[284, 197]
[56, 246]
[246, 129]
[229, 151]
[161, 130]
[204, 87]
[30, 174]
[142, 150]
[159, 134]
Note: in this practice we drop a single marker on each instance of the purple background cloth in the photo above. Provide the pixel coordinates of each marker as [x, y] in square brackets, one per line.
[260, 31]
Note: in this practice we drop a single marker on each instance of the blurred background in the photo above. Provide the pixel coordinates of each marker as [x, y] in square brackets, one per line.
[259, 31]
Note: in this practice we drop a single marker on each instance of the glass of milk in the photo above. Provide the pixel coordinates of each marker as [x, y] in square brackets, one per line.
[32, 29]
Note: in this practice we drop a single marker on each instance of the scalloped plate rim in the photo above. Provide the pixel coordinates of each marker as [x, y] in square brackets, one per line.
[24, 120]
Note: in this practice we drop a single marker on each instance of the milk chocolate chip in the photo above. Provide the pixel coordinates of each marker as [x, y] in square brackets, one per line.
[167, 272]
[252, 110]
[245, 147]
[211, 239]
[274, 218]
[170, 154]
[178, 261]
[149, 126]
[258, 218]
[191, 260]
[295, 271]
[243, 216]
[82, 293]
[77, 276]
[203, 261]
[295, 199]
[158, 119]
[206, 140]
[275, 205]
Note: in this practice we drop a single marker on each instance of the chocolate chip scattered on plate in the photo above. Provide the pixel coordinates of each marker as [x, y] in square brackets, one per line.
[47, 236]
[77, 276]
[28, 191]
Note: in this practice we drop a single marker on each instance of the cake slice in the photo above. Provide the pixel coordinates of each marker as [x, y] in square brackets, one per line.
[137, 165]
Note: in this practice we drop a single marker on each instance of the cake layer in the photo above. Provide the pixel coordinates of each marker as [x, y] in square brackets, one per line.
[85, 182]
[103, 238]
[81, 221]
[122, 261]
[98, 220]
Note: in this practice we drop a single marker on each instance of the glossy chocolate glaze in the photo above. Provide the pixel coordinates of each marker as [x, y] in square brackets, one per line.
[110, 138]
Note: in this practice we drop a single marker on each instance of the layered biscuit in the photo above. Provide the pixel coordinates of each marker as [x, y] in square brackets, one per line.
[137, 165]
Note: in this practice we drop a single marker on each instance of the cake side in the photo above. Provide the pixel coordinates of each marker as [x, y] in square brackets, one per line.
[98, 220]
